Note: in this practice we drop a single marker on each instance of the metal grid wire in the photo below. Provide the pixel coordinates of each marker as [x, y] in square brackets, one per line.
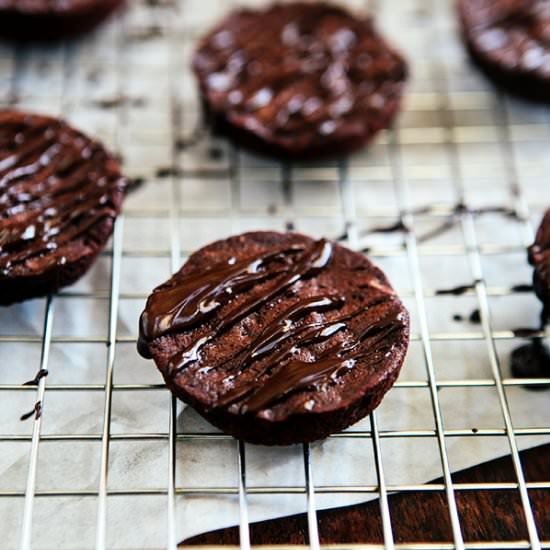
[168, 29]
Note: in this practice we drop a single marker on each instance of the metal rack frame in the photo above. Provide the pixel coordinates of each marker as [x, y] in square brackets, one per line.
[469, 248]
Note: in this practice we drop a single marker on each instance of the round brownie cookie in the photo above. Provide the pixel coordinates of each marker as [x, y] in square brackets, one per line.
[60, 193]
[539, 257]
[277, 338]
[299, 79]
[510, 41]
[52, 19]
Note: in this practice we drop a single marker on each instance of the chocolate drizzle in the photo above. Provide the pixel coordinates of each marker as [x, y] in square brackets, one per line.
[56, 185]
[218, 299]
[190, 300]
[284, 327]
[295, 374]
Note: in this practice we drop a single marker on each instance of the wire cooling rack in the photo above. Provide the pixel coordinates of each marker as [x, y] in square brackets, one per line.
[457, 141]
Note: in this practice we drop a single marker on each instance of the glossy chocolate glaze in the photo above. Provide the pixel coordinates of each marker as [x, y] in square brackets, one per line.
[192, 300]
[254, 332]
[539, 258]
[300, 75]
[57, 187]
[296, 375]
[60, 192]
[511, 38]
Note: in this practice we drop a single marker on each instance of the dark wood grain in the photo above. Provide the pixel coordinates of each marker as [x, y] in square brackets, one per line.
[485, 515]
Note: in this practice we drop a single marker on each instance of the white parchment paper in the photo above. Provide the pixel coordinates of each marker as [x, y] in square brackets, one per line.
[145, 77]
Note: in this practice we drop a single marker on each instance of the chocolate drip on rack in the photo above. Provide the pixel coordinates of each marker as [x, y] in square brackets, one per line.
[531, 361]
[448, 222]
[539, 258]
[521, 288]
[455, 291]
[55, 185]
[36, 412]
[453, 218]
[42, 373]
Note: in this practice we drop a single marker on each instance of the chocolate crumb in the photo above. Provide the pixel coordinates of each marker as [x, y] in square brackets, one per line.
[475, 317]
[216, 153]
[146, 33]
[119, 101]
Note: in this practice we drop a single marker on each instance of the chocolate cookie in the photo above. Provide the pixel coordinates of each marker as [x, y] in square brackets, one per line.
[52, 19]
[510, 41]
[299, 79]
[60, 193]
[539, 257]
[276, 338]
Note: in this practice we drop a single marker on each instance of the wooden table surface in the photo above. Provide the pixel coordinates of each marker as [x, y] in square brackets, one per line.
[485, 515]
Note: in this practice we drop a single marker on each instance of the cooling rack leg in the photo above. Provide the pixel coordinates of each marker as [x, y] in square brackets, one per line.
[26, 537]
[175, 259]
[474, 259]
[384, 504]
[101, 531]
[172, 543]
[313, 529]
[244, 527]
[477, 272]
[416, 274]
[351, 230]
